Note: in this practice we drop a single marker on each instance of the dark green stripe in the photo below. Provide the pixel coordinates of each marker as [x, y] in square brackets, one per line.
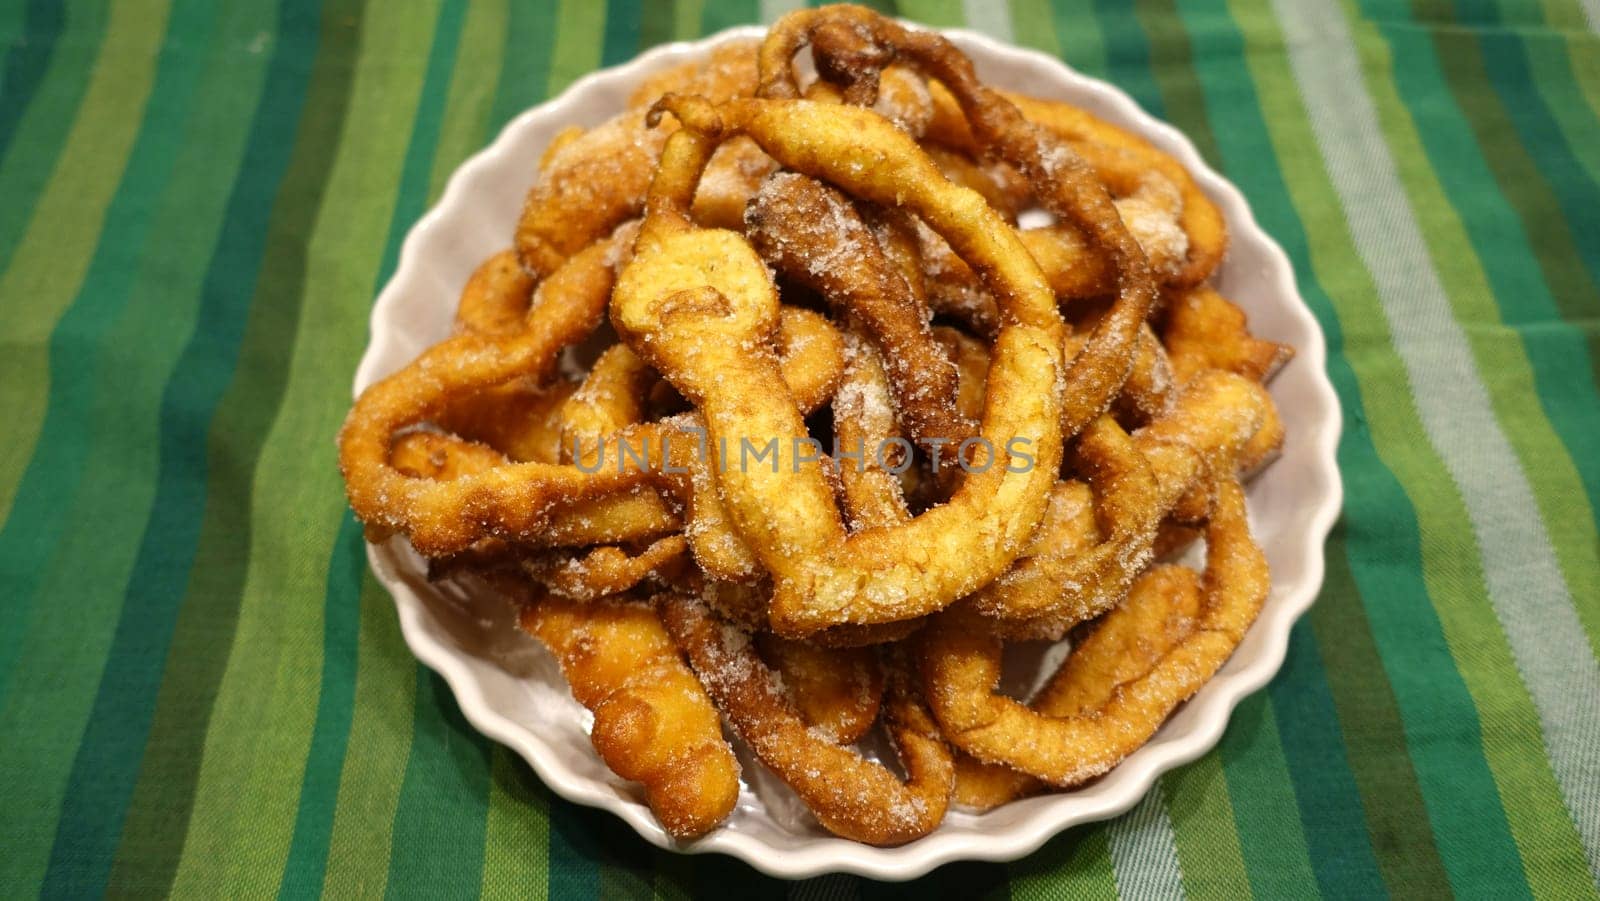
[714, 875]
[530, 30]
[411, 199]
[45, 81]
[624, 25]
[1554, 58]
[887, 7]
[437, 847]
[1384, 545]
[1331, 814]
[1172, 67]
[625, 859]
[655, 24]
[308, 850]
[1373, 734]
[307, 860]
[27, 58]
[594, 854]
[272, 215]
[574, 855]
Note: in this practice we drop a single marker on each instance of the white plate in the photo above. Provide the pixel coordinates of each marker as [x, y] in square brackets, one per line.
[509, 687]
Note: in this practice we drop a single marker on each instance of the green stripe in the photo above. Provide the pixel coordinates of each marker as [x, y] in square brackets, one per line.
[937, 13]
[1550, 236]
[620, 41]
[686, 19]
[574, 858]
[1127, 55]
[516, 854]
[469, 105]
[674, 877]
[32, 35]
[1173, 70]
[411, 194]
[579, 29]
[204, 139]
[887, 7]
[525, 76]
[715, 16]
[154, 831]
[306, 866]
[1270, 835]
[53, 253]
[1204, 829]
[13, 38]
[256, 744]
[1470, 249]
[1480, 650]
[1325, 792]
[1077, 30]
[1075, 864]
[1538, 697]
[1583, 54]
[1548, 72]
[1034, 24]
[1575, 400]
[47, 684]
[439, 825]
[655, 24]
[70, 399]
[624, 858]
[1436, 221]
[713, 875]
[42, 97]
[1373, 734]
[1271, 155]
[1559, 166]
[1564, 14]
[376, 753]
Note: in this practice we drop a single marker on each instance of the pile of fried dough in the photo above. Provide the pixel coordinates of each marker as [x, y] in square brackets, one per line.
[775, 415]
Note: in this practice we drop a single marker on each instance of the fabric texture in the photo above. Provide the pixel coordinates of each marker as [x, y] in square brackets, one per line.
[203, 692]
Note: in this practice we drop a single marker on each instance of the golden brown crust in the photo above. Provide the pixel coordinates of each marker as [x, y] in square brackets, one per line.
[848, 794]
[836, 691]
[653, 722]
[1097, 711]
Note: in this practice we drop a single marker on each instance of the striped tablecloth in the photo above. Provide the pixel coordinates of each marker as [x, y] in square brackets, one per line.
[202, 690]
